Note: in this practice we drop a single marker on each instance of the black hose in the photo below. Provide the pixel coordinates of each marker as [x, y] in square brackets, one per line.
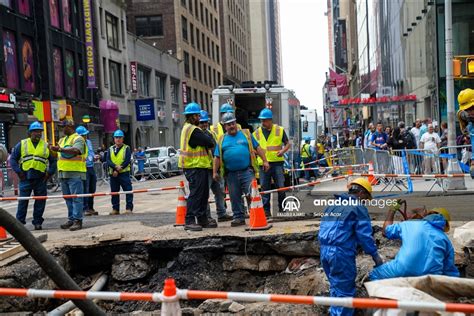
[46, 261]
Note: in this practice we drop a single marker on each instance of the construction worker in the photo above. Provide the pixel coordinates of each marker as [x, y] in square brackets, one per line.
[90, 184]
[118, 161]
[421, 238]
[307, 154]
[72, 171]
[343, 227]
[196, 160]
[218, 127]
[466, 117]
[217, 187]
[235, 160]
[273, 140]
[34, 165]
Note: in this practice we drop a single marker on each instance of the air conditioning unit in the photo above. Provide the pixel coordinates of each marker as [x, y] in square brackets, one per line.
[161, 115]
[175, 116]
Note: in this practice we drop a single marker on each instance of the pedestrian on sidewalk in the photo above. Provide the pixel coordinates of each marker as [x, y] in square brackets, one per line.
[34, 164]
[72, 168]
[196, 159]
[119, 160]
[90, 184]
[140, 157]
[429, 143]
[236, 162]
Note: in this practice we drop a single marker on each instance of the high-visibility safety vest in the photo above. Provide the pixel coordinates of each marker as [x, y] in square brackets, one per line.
[306, 151]
[190, 158]
[272, 145]
[34, 157]
[253, 158]
[76, 163]
[320, 148]
[118, 158]
[218, 130]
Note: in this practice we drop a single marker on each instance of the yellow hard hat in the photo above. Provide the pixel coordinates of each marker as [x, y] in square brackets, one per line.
[363, 182]
[466, 99]
[446, 215]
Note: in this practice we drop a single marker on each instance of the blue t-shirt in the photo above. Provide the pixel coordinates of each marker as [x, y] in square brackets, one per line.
[379, 138]
[235, 151]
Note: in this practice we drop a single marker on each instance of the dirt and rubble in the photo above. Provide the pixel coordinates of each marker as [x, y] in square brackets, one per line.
[284, 260]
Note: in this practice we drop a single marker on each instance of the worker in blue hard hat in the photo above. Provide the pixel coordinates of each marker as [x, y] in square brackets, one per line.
[72, 168]
[119, 158]
[218, 128]
[90, 184]
[196, 160]
[33, 162]
[307, 155]
[217, 187]
[274, 141]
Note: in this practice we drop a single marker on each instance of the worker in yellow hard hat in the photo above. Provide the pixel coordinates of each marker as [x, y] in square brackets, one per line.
[422, 239]
[466, 117]
[344, 226]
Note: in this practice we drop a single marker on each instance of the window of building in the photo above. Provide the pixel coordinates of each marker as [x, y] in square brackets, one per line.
[10, 59]
[201, 99]
[218, 54]
[193, 66]
[198, 41]
[115, 78]
[125, 78]
[202, 12]
[190, 6]
[208, 48]
[71, 91]
[54, 13]
[196, 9]
[199, 71]
[122, 28]
[183, 3]
[186, 63]
[66, 11]
[207, 18]
[209, 72]
[149, 25]
[205, 72]
[218, 78]
[111, 23]
[216, 28]
[28, 65]
[174, 91]
[184, 28]
[214, 83]
[213, 51]
[24, 7]
[191, 32]
[203, 38]
[105, 73]
[160, 86]
[206, 99]
[58, 72]
[143, 81]
[195, 96]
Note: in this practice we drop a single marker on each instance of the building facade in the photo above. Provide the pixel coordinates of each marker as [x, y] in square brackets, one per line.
[188, 30]
[265, 41]
[235, 41]
[155, 99]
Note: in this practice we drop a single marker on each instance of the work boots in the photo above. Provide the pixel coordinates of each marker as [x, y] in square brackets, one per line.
[77, 225]
[67, 225]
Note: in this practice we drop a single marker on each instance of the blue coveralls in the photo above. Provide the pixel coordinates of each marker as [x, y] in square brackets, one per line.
[426, 249]
[342, 229]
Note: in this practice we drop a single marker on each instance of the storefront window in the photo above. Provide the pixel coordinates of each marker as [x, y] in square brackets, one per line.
[24, 7]
[54, 12]
[28, 67]
[11, 65]
[70, 75]
[66, 16]
[58, 72]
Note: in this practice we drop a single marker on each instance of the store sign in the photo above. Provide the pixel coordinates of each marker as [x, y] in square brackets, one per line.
[184, 88]
[91, 78]
[7, 100]
[145, 109]
[133, 76]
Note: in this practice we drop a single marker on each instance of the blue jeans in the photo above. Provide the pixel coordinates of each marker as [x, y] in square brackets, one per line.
[275, 173]
[239, 182]
[217, 188]
[198, 198]
[38, 187]
[90, 185]
[75, 205]
[122, 180]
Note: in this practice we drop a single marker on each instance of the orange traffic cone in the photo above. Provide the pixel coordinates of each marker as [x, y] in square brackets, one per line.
[3, 234]
[350, 172]
[258, 220]
[371, 179]
[181, 208]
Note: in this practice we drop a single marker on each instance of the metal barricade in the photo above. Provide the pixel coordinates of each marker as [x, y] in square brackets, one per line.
[383, 162]
[100, 169]
[369, 155]
[463, 155]
[9, 181]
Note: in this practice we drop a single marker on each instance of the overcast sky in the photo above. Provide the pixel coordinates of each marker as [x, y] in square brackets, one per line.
[304, 44]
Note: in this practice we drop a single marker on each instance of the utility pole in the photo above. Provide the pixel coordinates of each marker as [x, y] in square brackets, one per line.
[453, 166]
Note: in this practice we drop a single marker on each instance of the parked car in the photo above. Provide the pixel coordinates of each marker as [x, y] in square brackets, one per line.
[162, 160]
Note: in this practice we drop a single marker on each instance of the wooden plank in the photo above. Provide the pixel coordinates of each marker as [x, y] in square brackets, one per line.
[110, 237]
[13, 247]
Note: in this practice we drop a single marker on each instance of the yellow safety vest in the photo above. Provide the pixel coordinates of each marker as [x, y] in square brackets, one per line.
[119, 158]
[320, 148]
[76, 163]
[34, 157]
[306, 151]
[253, 158]
[272, 145]
[190, 158]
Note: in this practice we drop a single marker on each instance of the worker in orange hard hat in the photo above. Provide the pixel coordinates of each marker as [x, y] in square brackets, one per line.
[344, 227]
[466, 117]
[421, 238]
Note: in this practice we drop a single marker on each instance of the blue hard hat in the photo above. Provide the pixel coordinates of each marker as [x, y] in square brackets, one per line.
[35, 126]
[265, 114]
[226, 108]
[192, 108]
[307, 138]
[82, 131]
[119, 133]
[204, 116]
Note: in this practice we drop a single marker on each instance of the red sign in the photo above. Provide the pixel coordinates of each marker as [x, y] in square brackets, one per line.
[133, 76]
[184, 87]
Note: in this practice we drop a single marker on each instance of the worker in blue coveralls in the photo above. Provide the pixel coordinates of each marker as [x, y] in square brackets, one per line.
[426, 249]
[344, 226]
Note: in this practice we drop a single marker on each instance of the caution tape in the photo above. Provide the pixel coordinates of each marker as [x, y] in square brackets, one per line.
[427, 176]
[84, 195]
[309, 184]
[333, 167]
[349, 302]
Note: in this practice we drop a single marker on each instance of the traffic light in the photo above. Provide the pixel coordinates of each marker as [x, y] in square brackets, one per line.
[456, 68]
[463, 67]
[470, 66]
